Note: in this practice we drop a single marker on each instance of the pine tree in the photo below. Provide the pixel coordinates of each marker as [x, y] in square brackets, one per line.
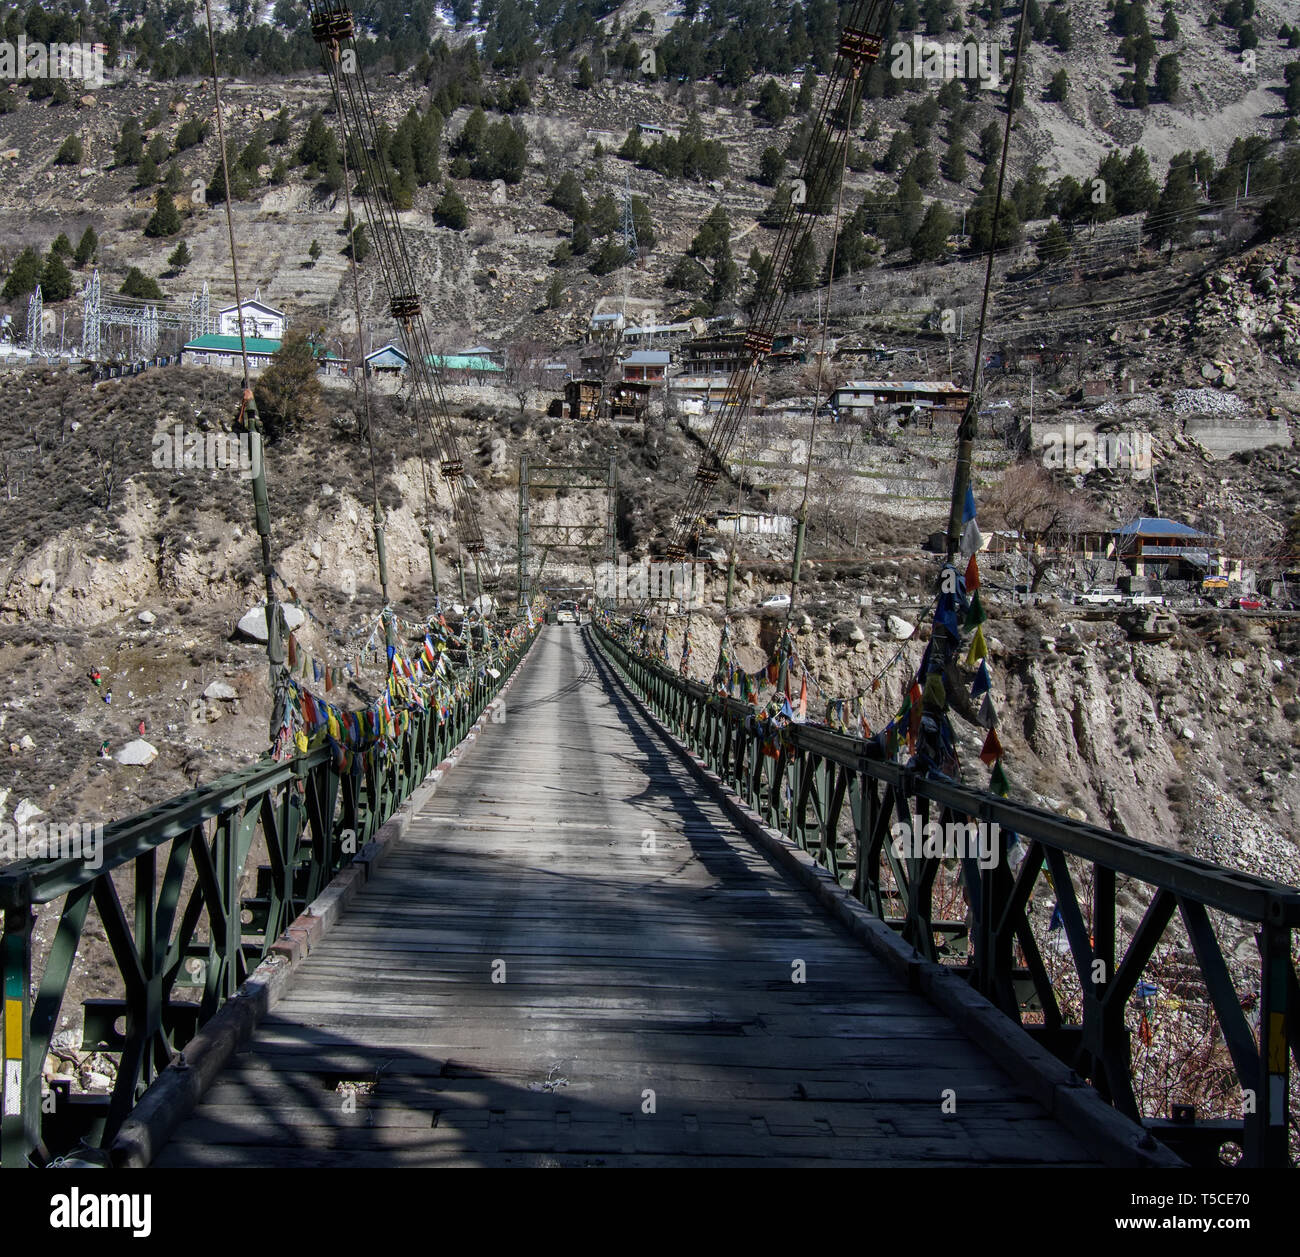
[990, 142]
[70, 152]
[139, 285]
[56, 279]
[130, 145]
[451, 210]
[980, 220]
[166, 219]
[24, 277]
[180, 257]
[954, 160]
[314, 252]
[1167, 77]
[566, 196]
[931, 240]
[239, 188]
[1171, 220]
[770, 165]
[1054, 244]
[87, 246]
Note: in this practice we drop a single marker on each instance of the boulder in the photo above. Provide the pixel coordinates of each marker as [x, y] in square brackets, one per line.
[146, 617]
[899, 628]
[25, 811]
[221, 691]
[137, 754]
[253, 622]
[847, 633]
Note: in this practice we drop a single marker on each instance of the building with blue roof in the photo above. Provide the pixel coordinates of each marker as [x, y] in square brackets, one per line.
[1164, 549]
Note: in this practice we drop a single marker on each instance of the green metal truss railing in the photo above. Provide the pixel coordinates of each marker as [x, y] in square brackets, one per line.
[191, 931]
[837, 798]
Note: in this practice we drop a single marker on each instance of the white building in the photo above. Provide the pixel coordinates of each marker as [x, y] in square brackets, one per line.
[260, 320]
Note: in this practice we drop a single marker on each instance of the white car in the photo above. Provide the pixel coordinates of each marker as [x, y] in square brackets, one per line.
[1099, 597]
[566, 613]
[776, 600]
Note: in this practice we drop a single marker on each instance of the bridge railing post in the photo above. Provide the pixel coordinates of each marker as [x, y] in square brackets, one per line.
[20, 1102]
[1268, 1127]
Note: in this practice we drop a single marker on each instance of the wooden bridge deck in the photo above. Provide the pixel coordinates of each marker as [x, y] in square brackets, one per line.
[625, 972]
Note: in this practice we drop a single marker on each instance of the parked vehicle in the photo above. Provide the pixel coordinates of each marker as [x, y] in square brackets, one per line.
[1147, 600]
[1100, 597]
[1247, 604]
[776, 600]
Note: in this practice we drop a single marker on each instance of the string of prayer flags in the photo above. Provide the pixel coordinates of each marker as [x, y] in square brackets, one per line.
[992, 751]
[983, 682]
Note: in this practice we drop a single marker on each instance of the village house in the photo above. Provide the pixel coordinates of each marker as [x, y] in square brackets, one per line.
[260, 320]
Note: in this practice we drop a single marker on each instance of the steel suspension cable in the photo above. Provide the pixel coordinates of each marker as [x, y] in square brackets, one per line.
[860, 45]
[275, 650]
[333, 29]
[821, 358]
[970, 418]
[381, 557]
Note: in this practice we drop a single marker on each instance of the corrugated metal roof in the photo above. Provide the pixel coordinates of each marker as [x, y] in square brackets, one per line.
[648, 358]
[462, 362]
[230, 344]
[1154, 526]
[901, 386]
[391, 350]
[216, 343]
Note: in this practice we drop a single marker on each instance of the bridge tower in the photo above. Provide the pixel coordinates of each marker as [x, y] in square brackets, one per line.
[595, 540]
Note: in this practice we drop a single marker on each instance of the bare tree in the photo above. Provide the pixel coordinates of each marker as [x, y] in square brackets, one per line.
[1044, 515]
[108, 456]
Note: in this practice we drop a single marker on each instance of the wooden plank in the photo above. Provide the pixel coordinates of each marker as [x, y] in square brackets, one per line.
[626, 972]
